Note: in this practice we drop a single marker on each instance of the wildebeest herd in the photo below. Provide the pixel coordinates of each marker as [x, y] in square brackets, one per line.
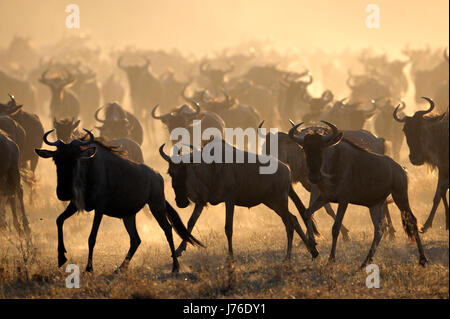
[348, 151]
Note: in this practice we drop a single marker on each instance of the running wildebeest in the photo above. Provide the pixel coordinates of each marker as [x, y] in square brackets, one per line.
[290, 153]
[427, 138]
[10, 182]
[346, 173]
[239, 184]
[93, 176]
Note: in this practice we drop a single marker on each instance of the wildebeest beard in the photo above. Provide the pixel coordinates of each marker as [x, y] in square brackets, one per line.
[179, 185]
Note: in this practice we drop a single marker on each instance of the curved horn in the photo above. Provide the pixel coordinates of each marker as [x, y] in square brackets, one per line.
[330, 137]
[96, 115]
[259, 131]
[396, 117]
[13, 100]
[431, 102]
[292, 122]
[154, 113]
[164, 155]
[297, 139]
[46, 141]
[183, 92]
[91, 137]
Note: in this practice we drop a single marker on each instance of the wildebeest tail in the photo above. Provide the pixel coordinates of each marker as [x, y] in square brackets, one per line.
[176, 223]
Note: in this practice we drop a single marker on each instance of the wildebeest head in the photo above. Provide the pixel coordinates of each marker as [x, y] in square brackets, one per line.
[65, 158]
[115, 123]
[64, 128]
[216, 105]
[11, 107]
[178, 173]
[413, 127]
[296, 88]
[134, 71]
[313, 144]
[57, 83]
[182, 116]
[216, 76]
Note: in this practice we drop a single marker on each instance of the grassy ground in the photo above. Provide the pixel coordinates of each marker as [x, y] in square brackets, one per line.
[259, 244]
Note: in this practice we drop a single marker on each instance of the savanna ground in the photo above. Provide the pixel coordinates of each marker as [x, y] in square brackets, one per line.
[259, 245]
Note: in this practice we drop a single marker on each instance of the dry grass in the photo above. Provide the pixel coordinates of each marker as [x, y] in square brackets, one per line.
[259, 244]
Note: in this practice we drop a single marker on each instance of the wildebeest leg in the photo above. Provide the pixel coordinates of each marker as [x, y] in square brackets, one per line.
[336, 229]
[68, 212]
[92, 238]
[25, 224]
[409, 221]
[191, 223]
[135, 241]
[344, 230]
[160, 216]
[377, 219]
[444, 200]
[229, 207]
[12, 204]
[33, 165]
[2, 213]
[300, 207]
[313, 207]
[441, 188]
[387, 216]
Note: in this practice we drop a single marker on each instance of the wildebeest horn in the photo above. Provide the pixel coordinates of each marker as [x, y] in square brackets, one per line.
[195, 105]
[202, 68]
[154, 113]
[183, 92]
[396, 117]
[422, 113]
[96, 115]
[299, 139]
[330, 137]
[46, 141]
[91, 137]
[13, 100]
[292, 122]
[164, 155]
[259, 131]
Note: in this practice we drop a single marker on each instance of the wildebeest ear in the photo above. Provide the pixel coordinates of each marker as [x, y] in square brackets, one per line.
[44, 153]
[88, 152]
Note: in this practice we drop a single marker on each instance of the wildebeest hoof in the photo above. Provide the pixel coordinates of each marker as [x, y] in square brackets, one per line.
[423, 261]
[61, 260]
[426, 226]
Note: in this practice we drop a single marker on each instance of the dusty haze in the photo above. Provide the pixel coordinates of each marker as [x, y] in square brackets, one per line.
[201, 27]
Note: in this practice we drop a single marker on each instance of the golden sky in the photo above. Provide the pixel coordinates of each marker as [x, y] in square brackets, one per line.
[203, 26]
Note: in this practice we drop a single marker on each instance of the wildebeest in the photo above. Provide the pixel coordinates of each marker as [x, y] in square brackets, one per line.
[23, 90]
[387, 128]
[346, 173]
[63, 103]
[233, 113]
[317, 105]
[183, 117]
[66, 131]
[145, 88]
[349, 115]
[292, 96]
[87, 90]
[119, 123]
[10, 182]
[33, 128]
[93, 177]
[236, 183]
[427, 138]
[216, 76]
[290, 153]
[112, 89]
